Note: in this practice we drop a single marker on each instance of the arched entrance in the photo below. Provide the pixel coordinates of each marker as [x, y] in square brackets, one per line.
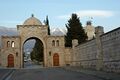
[55, 59]
[10, 60]
[36, 53]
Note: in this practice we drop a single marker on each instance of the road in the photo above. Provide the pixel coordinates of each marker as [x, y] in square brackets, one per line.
[49, 74]
[4, 73]
[32, 65]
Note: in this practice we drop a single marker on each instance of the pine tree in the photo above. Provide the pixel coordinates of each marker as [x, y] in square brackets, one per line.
[47, 23]
[74, 31]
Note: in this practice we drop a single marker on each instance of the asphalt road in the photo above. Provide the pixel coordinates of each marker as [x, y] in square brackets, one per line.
[49, 74]
[4, 73]
[31, 65]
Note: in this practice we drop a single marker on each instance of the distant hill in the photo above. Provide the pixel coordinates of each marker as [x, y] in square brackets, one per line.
[8, 31]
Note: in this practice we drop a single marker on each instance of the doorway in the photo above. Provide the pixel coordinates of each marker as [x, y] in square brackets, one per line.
[55, 59]
[10, 60]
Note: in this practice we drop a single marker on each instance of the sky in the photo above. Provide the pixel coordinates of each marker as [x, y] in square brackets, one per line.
[104, 13]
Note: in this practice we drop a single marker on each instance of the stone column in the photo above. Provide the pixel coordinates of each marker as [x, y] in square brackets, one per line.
[74, 44]
[99, 31]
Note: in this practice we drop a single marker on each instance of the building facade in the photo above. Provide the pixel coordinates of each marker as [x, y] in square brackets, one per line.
[11, 54]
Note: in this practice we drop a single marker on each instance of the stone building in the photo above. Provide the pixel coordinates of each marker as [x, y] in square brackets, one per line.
[54, 52]
[101, 53]
[90, 30]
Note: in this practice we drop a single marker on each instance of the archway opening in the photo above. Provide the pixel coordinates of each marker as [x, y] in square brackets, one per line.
[33, 53]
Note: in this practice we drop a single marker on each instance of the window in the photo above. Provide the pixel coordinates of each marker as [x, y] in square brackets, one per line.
[12, 44]
[50, 53]
[16, 54]
[53, 43]
[57, 42]
[8, 43]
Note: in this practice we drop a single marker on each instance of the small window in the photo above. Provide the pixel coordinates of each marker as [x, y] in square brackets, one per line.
[8, 43]
[50, 53]
[16, 54]
[12, 44]
[53, 43]
[57, 42]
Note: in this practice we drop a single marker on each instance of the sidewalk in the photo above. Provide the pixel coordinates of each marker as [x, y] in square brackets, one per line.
[99, 74]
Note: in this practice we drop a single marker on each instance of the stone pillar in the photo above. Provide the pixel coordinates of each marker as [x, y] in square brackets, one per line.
[74, 44]
[99, 31]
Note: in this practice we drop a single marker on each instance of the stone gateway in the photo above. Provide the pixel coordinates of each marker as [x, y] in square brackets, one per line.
[12, 46]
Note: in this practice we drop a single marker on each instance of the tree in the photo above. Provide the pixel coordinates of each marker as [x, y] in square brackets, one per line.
[32, 55]
[37, 53]
[74, 31]
[47, 23]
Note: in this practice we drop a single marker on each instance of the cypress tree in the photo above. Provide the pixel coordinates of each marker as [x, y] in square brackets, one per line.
[47, 23]
[74, 31]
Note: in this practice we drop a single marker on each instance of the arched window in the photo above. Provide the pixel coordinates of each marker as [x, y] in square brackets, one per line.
[53, 43]
[12, 44]
[8, 43]
[57, 42]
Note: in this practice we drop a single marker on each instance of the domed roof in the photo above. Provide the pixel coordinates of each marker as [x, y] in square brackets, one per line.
[32, 21]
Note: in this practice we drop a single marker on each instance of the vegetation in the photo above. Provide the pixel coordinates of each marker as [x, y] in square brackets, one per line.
[74, 31]
[37, 53]
[47, 23]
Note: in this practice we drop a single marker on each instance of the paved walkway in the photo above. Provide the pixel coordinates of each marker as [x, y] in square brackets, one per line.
[99, 74]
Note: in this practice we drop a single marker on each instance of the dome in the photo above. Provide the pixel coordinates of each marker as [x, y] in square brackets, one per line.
[32, 21]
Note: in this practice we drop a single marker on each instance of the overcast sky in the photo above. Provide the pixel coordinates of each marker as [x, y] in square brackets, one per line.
[105, 13]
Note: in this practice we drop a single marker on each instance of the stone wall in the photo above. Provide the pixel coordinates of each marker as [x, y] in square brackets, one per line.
[68, 56]
[85, 54]
[111, 50]
[104, 52]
